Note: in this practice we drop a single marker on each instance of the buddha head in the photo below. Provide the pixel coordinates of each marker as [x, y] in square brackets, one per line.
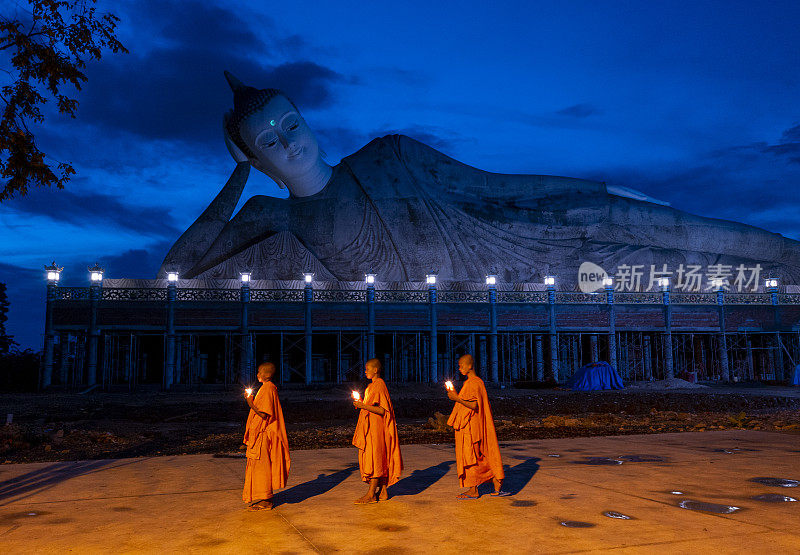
[266, 129]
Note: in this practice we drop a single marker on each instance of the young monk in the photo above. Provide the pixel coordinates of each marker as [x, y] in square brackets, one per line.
[477, 451]
[379, 455]
[267, 447]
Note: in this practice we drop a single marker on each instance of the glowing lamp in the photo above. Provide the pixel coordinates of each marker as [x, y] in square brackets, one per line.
[608, 282]
[549, 280]
[95, 273]
[716, 283]
[308, 277]
[246, 276]
[771, 282]
[430, 279]
[491, 280]
[356, 396]
[663, 283]
[369, 278]
[53, 272]
[172, 277]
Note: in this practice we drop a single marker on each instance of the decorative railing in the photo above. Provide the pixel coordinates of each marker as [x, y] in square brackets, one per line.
[419, 296]
[401, 296]
[522, 297]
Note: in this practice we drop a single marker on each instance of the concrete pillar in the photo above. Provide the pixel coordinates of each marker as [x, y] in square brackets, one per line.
[433, 350]
[539, 359]
[63, 369]
[47, 372]
[750, 366]
[169, 366]
[595, 350]
[370, 320]
[669, 369]
[494, 365]
[91, 355]
[725, 372]
[551, 302]
[612, 326]
[648, 359]
[308, 298]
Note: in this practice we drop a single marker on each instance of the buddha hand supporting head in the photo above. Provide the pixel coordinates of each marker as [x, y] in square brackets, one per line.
[266, 129]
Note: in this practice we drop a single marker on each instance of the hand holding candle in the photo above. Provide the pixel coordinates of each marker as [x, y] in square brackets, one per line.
[356, 396]
[248, 392]
[448, 385]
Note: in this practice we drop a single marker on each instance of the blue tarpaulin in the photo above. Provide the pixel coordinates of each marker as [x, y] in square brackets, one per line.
[796, 379]
[595, 376]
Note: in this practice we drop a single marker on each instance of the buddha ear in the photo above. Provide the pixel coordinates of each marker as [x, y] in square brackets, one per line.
[235, 151]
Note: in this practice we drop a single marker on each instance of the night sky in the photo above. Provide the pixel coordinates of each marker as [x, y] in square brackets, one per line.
[695, 103]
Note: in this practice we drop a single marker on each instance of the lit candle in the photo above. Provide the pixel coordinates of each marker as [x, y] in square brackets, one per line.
[448, 384]
[249, 391]
[356, 396]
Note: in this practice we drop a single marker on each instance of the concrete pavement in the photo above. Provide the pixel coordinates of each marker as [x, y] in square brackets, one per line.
[562, 488]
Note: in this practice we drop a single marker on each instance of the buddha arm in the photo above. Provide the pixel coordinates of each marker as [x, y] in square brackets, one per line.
[190, 247]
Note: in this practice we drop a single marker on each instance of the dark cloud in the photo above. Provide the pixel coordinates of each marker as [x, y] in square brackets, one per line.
[788, 147]
[791, 135]
[87, 208]
[136, 263]
[177, 91]
[579, 111]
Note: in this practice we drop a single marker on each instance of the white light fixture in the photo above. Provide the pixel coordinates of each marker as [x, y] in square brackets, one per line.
[95, 273]
[608, 281]
[172, 277]
[771, 282]
[430, 279]
[491, 280]
[369, 278]
[245, 277]
[663, 282]
[549, 280]
[96, 276]
[716, 283]
[53, 272]
[308, 277]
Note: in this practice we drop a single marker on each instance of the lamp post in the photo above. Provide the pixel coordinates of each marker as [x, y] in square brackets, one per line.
[668, 364]
[433, 352]
[608, 285]
[246, 368]
[96, 283]
[172, 297]
[308, 298]
[494, 370]
[370, 281]
[550, 283]
[725, 372]
[53, 275]
[772, 288]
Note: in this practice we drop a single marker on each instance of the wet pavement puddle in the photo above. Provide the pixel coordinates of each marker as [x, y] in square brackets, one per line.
[774, 498]
[576, 524]
[615, 514]
[705, 507]
[599, 461]
[776, 482]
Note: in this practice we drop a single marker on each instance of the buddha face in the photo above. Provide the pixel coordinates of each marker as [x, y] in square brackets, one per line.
[284, 146]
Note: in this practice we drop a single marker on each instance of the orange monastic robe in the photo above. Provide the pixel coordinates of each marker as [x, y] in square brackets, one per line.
[477, 451]
[376, 437]
[267, 447]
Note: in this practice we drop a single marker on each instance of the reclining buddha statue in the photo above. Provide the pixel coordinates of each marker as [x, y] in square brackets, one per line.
[401, 209]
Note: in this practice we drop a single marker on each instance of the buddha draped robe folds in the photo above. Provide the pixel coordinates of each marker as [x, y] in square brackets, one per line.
[376, 437]
[477, 451]
[267, 447]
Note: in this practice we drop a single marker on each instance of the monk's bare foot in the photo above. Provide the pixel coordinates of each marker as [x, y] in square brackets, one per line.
[366, 500]
[263, 505]
[471, 493]
[384, 495]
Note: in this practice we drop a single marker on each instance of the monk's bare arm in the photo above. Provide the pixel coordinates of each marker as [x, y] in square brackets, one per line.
[469, 403]
[252, 405]
[374, 409]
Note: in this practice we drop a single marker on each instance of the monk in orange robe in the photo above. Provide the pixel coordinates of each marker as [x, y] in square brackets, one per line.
[477, 451]
[379, 455]
[267, 446]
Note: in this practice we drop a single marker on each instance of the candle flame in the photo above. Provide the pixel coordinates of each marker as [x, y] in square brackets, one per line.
[356, 396]
[249, 391]
[448, 384]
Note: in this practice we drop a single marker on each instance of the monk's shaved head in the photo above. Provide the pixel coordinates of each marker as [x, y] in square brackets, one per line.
[468, 360]
[376, 364]
[266, 369]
